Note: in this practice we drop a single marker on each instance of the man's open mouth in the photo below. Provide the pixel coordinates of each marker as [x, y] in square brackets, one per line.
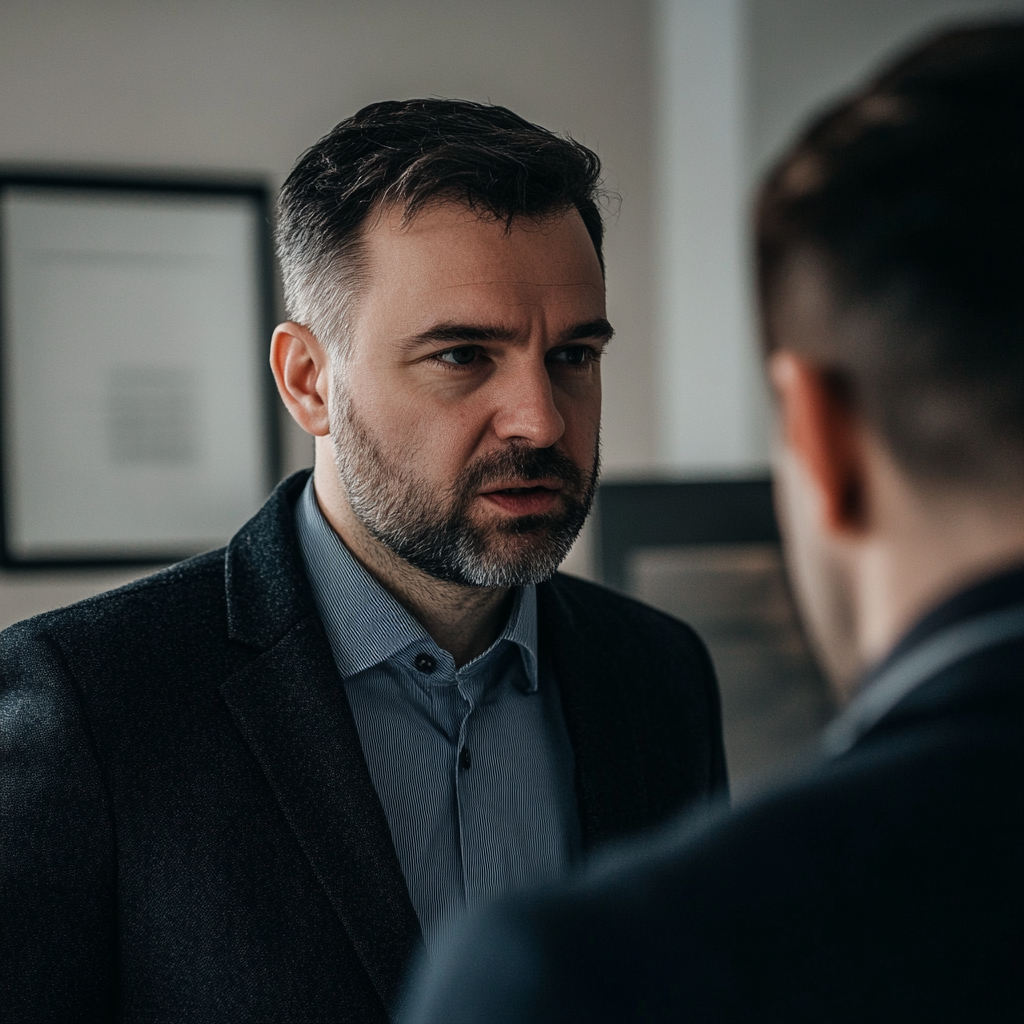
[526, 498]
[522, 490]
[527, 487]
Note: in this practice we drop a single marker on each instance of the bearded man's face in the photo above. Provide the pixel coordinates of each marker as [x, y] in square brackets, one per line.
[465, 412]
[439, 533]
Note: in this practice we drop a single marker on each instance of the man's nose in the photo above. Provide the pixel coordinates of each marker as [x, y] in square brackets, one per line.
[526, 408]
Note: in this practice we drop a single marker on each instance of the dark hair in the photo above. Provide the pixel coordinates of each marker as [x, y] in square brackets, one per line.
[909, 197]
[408, 154]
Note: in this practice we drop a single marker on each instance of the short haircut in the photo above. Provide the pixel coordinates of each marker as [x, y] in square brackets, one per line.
[909, 197]
[410, 154]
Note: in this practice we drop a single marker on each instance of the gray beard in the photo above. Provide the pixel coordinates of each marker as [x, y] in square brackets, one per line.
[433, 532]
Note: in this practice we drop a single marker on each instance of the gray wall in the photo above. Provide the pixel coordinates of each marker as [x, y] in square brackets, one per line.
[246, 85]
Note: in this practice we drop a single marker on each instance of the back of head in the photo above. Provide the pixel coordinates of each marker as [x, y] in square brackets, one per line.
[406, 155]
[908, 200]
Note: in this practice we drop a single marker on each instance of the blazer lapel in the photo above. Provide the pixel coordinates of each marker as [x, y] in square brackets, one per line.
[611, 786]
[290, 706]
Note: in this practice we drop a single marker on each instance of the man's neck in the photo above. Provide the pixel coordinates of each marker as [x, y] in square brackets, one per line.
[464, 621]
[934, 545]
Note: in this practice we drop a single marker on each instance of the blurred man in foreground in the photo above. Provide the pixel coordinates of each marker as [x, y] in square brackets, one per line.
[885, 882]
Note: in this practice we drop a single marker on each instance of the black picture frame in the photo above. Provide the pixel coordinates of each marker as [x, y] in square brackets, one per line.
[236, 199]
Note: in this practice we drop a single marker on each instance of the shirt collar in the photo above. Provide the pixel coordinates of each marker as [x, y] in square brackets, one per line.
[988, 613]
[365, 625]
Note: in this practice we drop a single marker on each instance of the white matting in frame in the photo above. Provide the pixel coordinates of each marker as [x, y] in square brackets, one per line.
[135, 419]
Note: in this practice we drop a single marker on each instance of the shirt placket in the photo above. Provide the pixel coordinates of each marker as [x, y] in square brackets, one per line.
[452, 703]
[466, 685]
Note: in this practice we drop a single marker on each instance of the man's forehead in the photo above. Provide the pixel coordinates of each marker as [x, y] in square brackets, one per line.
[455, 237]
[442, 211]
[452, 264]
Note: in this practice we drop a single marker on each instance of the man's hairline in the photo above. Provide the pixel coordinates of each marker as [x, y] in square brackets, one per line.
[354, 251]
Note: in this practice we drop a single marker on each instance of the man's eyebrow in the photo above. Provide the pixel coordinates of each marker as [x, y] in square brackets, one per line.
[468, 334]
[464, 333]
[598, 329]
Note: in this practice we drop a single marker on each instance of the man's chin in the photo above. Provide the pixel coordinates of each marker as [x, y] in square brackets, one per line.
[511, 570]
[528, 552]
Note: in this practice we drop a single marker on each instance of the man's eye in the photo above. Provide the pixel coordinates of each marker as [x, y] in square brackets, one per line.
[461, 356]
[573, 355]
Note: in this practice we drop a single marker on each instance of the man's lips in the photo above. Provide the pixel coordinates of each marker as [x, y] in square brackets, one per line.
[523, 497]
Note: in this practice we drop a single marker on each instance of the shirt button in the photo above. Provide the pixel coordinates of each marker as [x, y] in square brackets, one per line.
[464, 759]
[425, 663]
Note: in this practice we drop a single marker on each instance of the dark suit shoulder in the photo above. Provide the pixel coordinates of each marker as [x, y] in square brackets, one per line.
[898, 863]
[633, 641]
[56, 874]
[164, 633]
[182, 594]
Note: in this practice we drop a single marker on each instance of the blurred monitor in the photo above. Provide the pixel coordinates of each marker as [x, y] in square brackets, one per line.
[708, 552]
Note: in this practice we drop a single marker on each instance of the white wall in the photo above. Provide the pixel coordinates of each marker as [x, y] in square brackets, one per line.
[708, 387]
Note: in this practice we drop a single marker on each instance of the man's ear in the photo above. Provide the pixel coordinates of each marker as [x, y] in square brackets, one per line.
[820, 428]
[301, 369]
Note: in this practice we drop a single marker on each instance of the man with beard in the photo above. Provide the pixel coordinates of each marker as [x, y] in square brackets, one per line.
[249, 787]
[884, 881]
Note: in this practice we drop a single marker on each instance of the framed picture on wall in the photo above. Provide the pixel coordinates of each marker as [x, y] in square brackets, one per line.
[137, 415]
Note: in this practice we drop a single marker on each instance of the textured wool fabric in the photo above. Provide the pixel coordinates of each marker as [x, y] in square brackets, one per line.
[189, 831]
[472, 765]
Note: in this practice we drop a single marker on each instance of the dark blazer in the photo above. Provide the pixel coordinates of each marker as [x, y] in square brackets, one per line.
[189, 830]
[885, 884]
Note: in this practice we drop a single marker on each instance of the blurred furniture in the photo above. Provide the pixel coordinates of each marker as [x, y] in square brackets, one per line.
[708, 552]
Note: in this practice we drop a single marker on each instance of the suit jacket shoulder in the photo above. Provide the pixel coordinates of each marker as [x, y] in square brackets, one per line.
[184, 603]
[622, 623]
[881, 885]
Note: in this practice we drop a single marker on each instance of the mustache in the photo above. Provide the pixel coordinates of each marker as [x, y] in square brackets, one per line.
[520, 462]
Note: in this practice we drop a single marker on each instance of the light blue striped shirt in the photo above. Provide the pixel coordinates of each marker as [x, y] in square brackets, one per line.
[472, 766]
